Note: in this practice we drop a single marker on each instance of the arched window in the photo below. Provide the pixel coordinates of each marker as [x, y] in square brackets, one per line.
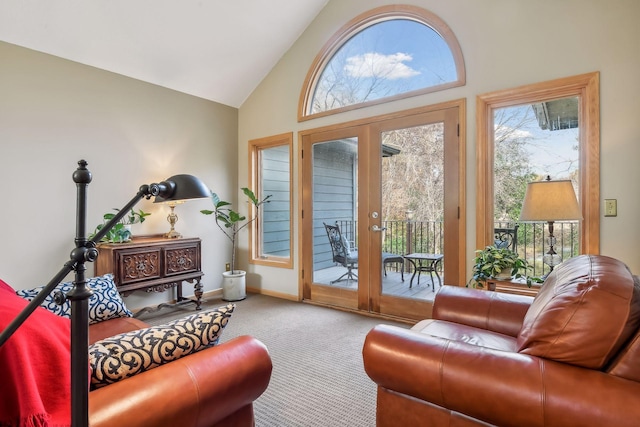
[387, 53]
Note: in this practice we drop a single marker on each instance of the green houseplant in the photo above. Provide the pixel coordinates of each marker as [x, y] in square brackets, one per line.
[231, 223]
[493, 262]
[121, 232]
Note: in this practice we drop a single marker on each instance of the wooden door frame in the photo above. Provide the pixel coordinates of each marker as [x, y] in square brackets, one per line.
[456, 247]
[334, 296]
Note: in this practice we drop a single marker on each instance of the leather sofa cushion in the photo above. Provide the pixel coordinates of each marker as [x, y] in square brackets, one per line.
[627, 362]
[467, 334]
[586, 310]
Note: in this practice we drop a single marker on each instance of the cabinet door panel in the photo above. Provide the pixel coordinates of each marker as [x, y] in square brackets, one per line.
[138, 264]
[181, 260]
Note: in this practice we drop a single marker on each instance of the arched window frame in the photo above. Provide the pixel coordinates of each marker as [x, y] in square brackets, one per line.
[360, 23]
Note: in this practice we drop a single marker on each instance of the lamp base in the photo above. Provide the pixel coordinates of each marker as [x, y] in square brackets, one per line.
[173, 234]
[172, 218]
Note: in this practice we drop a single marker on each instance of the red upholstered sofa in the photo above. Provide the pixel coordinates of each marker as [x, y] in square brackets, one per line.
[569, 357]
[213, 387]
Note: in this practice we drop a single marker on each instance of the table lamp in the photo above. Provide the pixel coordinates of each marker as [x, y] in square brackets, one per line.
[178, 187]
[187, 187]
[550, 201]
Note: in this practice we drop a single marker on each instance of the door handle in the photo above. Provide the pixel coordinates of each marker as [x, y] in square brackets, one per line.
[375, 227]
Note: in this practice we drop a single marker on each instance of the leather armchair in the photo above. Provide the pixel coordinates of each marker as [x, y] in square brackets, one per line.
[213, 387]
[568, 357]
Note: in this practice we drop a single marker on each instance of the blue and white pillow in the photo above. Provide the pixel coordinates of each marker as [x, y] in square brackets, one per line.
[104, 304]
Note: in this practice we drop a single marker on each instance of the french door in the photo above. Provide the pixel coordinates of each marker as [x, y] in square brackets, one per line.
[382, 228]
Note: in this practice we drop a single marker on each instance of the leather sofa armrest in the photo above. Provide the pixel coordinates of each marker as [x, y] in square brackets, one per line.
[197, 390]
[493, 311]
[498, 387]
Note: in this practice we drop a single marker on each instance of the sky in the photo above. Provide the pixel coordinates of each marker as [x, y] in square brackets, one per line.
[406, 55]
[552, 153]
[397, 55]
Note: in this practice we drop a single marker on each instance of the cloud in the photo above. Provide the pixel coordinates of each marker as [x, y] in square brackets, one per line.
[504, 131]
[373, 64]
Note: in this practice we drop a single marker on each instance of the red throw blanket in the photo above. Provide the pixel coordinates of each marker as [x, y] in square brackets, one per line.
[35, 378]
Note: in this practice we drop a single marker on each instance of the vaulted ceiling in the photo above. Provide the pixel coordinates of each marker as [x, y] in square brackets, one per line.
[213, 49]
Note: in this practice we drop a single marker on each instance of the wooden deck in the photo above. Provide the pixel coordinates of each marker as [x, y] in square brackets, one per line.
[392, 284]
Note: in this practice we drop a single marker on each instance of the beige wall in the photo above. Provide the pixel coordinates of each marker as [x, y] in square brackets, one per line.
[55, 112]
[505, 44]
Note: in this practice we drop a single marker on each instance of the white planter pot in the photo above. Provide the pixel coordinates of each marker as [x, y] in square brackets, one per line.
[505, 274]
[128, 227]
[234, 286]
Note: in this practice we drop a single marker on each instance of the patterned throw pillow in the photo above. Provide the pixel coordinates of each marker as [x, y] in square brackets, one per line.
[104, 304]
[124, 355]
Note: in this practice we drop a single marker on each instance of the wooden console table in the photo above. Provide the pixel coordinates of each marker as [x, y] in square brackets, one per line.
[153, 264]
[512, 287]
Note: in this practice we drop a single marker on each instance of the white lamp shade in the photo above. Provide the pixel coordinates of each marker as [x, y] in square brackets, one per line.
[550, 201]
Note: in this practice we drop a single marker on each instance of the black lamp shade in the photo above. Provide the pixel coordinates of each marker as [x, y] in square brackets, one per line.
[181, 187]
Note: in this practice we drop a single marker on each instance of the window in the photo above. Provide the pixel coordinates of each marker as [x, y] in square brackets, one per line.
[387, 53]
[525, 134]
[270, 168]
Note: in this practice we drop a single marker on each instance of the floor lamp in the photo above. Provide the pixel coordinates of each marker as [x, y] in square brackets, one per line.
[178, 187]
[550, 201]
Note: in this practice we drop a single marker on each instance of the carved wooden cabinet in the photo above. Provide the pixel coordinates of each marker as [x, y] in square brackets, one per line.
[153, 264]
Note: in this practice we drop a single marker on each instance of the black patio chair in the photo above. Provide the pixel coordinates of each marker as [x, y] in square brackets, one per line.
[506, 238]
[345, 255]
[389, 258]
[342, 253]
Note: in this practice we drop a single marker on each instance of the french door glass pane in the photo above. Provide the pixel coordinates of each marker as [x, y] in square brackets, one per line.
[412, 208]
[335, 196]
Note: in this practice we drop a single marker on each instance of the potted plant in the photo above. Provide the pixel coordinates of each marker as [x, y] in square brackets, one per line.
[231, 222]
[500, 263]
[121, 232]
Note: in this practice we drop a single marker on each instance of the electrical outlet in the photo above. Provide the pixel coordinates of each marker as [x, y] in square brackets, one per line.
[610, 207]
[227, 266]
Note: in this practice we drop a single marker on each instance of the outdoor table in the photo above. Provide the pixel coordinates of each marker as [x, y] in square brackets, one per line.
[423, 263]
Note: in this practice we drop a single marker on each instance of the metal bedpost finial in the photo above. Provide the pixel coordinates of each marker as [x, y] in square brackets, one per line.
[82, 175]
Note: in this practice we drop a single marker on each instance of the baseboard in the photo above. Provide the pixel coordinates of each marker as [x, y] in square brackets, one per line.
[363, 313]
[273, 294]
[217, 293]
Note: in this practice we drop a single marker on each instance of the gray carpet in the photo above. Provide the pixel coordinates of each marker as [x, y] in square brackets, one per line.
[318, 377]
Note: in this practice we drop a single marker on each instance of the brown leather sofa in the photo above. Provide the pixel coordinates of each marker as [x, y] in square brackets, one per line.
[213, 387]
[568, 357]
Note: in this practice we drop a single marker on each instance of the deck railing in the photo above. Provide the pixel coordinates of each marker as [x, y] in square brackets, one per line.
[405, 237]
[533, 242]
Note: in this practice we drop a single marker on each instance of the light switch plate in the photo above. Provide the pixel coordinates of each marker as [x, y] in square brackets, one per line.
[610, 207]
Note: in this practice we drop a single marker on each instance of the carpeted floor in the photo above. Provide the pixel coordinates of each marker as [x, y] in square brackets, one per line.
[318, 377]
